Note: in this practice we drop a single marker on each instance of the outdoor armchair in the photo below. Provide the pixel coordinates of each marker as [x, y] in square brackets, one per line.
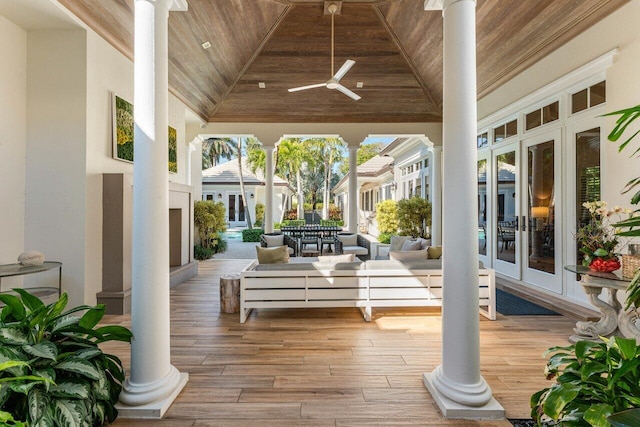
[269, 240]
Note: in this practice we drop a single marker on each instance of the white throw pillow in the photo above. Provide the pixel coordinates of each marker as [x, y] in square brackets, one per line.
[396, 242]
[348, 239]
[406, 255]
[337, 258]
[273, 241]
[424, 243]
[410, 245]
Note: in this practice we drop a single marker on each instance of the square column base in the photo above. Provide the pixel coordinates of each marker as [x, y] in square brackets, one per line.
[453, 410]
[153, 410]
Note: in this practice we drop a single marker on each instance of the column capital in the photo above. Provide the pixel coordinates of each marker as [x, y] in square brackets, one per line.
[441, 4]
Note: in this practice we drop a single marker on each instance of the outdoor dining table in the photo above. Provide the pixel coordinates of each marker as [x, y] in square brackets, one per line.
[311, 231]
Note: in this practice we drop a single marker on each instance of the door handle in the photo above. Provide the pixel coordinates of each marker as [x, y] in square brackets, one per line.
[523, 224]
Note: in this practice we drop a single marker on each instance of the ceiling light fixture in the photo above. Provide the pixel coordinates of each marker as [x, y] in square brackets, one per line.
[360, 85]
[206, 45]
[433, 4]
[262, 85]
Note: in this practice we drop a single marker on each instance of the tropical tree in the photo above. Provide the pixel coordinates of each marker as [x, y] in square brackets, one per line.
[214, 150]
[326, 151]
[291, 158]
[247, 213]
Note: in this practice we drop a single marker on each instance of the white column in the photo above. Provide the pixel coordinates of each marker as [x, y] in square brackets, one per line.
[353, 189]
[456, 385]
[436, 197]
[268, 194]
[153, 383]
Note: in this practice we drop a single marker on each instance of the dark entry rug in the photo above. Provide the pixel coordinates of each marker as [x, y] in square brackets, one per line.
[521, 423]
[511, 305]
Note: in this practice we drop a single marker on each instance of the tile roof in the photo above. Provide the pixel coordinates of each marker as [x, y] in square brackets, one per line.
[227, 173]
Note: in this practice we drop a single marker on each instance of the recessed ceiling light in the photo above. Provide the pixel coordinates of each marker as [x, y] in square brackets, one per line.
[206, 45]
[261, 85]
[359, 85]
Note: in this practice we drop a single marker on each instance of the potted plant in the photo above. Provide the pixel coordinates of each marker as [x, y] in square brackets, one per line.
[593, 381]
[53, 372]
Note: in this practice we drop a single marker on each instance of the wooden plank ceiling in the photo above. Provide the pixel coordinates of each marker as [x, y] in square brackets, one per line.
[397, 47]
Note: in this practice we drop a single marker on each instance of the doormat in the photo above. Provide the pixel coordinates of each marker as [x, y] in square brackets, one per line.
[521, 423]
[511, 305]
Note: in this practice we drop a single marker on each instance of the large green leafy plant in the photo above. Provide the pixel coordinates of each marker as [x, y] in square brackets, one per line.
[414, 217]
[629, 227]
[55, 372]
[593, 381]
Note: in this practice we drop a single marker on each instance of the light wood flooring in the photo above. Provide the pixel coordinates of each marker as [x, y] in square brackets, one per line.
[327, 367]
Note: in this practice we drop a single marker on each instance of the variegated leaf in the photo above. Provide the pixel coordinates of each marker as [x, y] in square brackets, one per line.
[12, 335]
[5, 392]
[79, 366]
[44, 349]
[64, 322]
[99, 412]
[38, 402]
[69, 413]
[46, 420]
[101, 387]
[22, 388]
[71, 388]
[88, 353]
[12, 364]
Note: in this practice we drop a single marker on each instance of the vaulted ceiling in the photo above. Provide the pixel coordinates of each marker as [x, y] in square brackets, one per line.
[397, 47]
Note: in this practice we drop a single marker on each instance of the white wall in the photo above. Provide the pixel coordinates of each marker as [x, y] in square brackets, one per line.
[13, 125]
[56, 153]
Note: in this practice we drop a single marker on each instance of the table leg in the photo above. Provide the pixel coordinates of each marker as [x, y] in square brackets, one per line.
[608, 322]
[627, 324]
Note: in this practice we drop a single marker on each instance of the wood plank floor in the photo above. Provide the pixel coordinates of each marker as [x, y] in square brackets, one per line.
[327, 367]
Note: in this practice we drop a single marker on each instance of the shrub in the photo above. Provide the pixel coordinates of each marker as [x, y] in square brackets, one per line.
[251, 234]
[259, 215]
[335, 213]
[276, 225]
[414, 216]
[387, 217]
[201, 253]
[384, 238]
[307, 207]
[291, 214]
[209, 218]
[53, 370]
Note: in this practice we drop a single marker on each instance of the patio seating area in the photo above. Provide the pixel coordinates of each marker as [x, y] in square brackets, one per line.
[326, 367]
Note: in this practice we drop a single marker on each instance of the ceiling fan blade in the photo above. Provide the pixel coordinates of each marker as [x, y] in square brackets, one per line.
[349, 93]
[296, 89]
[343, 70]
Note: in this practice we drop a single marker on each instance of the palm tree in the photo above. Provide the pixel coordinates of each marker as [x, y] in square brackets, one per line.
[214, 150]
[291, 156]
[330, 151]
[247, 214]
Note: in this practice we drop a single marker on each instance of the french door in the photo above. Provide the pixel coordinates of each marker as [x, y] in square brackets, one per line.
[541, 211]
[235, 210]
[523, 232]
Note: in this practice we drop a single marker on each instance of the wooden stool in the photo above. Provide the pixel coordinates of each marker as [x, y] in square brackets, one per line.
[230, 293]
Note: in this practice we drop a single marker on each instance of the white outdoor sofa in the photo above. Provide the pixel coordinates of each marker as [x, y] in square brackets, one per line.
[365, 285]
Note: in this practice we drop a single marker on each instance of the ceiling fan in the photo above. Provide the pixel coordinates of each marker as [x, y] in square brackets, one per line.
[333, 82]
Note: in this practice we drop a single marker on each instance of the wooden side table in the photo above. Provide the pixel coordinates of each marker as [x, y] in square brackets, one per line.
[310, 253]
[615, 320]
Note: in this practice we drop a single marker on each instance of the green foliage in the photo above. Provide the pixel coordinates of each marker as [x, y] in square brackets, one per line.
[291, 214]
[52, 370]
[387, 216]
[202, 253]
[335, 213]
[365, 153]
[384, 238]
[276, 226]
[6, 419]
[259, 215]
[628, 418]
[209, 218]
[252, 234]
[293, 222]
[414, 216]
[308, 207]
[593, 381]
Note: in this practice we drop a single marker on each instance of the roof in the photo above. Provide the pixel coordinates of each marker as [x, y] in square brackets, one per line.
[373, 167]
[227, 173]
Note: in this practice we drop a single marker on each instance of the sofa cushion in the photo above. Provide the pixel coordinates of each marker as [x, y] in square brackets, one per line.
[410, 245]
[337, 258]
[309, 266]
[273, 240]
[411, 254]
[424, 243]
[275, 255]
[357, 250]
[435, 252]
[396, 242]
[348, 239]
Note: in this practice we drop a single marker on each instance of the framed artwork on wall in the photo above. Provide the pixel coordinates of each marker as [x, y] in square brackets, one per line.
[123, 134]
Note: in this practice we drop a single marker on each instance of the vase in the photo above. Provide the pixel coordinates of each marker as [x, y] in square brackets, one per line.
[605, 265]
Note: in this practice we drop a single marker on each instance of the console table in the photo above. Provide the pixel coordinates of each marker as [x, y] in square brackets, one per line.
[9, 270]
[615, 320]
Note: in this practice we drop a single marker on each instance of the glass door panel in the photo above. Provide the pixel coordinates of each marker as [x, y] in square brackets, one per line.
[503, 215]
[541, 212]
[232, 208]
[482, 207]
[587, 176]
[541, 221]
